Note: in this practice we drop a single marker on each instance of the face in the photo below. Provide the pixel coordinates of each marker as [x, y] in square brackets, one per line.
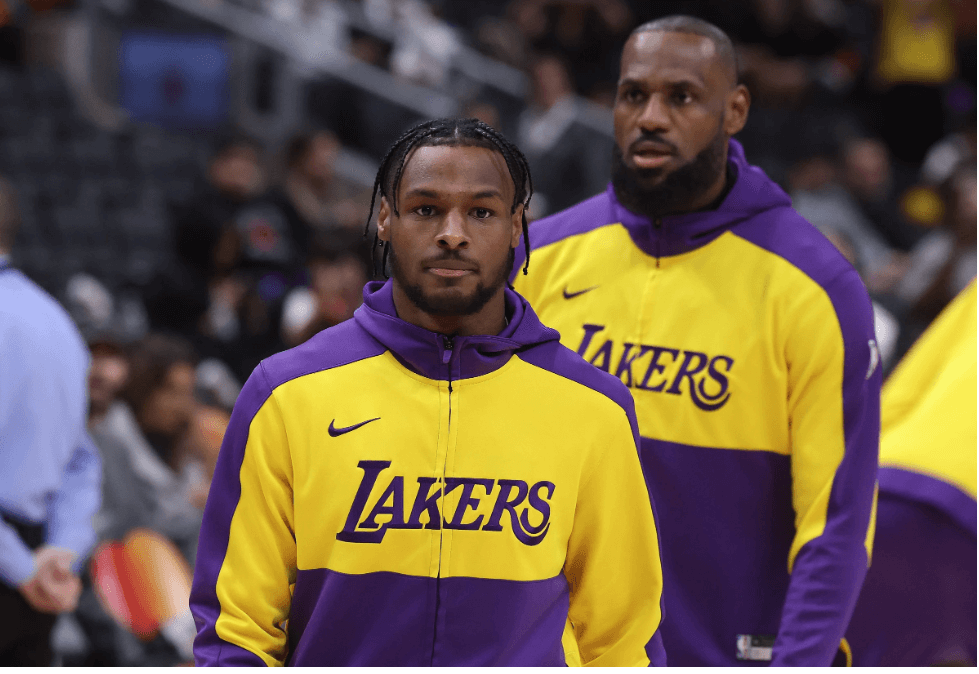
[106, 377]
[237, 172]
[676, 105]
[453, 235]
[169, 407]
[321, 158]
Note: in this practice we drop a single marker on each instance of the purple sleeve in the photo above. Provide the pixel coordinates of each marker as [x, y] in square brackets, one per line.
[209, 649]
[830, 568]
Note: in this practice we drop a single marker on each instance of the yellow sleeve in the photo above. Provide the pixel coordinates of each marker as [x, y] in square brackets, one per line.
[613, 563]
[259, 568]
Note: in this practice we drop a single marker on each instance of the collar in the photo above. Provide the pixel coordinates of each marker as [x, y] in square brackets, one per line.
[442, 357]
[751, 193]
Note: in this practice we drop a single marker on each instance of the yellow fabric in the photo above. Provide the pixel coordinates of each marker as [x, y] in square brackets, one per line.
[930, 400]
[679, 303]
[917, 42]
[520, 422]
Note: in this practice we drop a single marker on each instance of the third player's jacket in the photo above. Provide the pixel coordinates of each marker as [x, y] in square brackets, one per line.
[747, 342]
[389, 496]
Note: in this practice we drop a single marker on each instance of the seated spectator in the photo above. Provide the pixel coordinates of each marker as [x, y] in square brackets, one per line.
[337, 276]
[107, 376]
[145, 484]
[869, 176]
[564, 158]
[820, 198]
[944, 261]
[205, 241]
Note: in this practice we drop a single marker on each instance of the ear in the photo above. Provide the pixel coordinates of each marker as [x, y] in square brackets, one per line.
[516, 226]
[384, 220]
[736, 111]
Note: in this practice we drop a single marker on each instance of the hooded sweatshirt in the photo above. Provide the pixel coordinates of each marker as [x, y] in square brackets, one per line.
[386, 495]
[747, 342]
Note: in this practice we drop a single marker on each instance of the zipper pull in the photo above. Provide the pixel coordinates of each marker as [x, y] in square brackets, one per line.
[447, 350]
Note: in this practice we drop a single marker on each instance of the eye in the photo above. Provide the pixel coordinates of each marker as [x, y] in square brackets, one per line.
[425, 211]
[632, 95]
[482, 213]
[681, 96]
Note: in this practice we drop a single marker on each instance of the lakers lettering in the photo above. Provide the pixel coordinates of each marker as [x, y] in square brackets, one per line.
[661, 369]
[521, 503]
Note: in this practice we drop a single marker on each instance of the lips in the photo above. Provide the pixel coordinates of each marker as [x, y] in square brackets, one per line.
[648, 154]
[449, 268]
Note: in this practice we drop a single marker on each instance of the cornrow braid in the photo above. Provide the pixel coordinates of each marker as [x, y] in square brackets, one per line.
[450, 132]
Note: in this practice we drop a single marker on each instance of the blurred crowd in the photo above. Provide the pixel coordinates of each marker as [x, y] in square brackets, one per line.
[863, 110]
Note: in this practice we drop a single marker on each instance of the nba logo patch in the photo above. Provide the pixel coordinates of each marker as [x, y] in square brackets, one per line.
[874, 357]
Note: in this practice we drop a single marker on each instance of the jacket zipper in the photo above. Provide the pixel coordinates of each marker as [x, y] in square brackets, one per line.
[658, 224]
[446, 360]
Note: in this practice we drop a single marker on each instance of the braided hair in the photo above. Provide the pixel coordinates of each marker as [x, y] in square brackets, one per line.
[450, 132]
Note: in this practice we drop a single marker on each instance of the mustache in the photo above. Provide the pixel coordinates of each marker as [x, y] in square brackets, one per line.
[450, 255]
[652, 137]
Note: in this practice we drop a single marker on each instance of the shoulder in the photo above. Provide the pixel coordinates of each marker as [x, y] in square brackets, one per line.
[579, 219]
[334, 347]
[33, 320]
[785, 234]
[562, 361]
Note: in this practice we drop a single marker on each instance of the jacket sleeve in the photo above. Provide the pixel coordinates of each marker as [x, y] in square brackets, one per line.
[613, 563]
[246, 560]
[834, 380]
[74, 505]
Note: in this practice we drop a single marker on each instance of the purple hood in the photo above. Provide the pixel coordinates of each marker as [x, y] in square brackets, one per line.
[753, 193]
[426, 353]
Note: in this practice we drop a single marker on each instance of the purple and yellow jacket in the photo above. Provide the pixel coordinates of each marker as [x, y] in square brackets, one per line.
[389, 496]
[748, 344]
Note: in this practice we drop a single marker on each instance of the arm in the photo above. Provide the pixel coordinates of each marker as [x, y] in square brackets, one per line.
[246, 559]
[16, 560]
[834, 416]
[613, 563]
[76, 502]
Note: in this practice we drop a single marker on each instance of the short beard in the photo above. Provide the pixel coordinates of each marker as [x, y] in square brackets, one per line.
[450, 306]
[678, 191]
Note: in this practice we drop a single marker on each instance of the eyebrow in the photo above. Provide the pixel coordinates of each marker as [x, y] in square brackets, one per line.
[432, 194]
[629, 81]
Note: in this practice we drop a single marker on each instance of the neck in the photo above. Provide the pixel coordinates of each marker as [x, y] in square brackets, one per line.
[489, 320]
[712, 195]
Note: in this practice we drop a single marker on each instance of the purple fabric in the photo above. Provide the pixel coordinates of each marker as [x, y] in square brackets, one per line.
[339, 345]
[828, 570]
[480, 622]
[911, 486]
[725, 526]
[918, 604]
[424, 352]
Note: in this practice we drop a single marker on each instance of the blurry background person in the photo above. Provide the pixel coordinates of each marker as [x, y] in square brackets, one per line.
[918, 603]
[50, 486]
[147, 484]
[943, 262]
[337, 271]
[106, 376]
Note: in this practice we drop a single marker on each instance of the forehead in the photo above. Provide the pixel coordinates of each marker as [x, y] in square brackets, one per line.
[455, 168]
[661, 56]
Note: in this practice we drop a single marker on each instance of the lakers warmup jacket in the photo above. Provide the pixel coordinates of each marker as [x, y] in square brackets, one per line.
[747, 342]
[389, 496]
[918, 605]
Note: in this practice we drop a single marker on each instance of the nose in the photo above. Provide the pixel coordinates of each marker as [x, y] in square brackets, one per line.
[654, 117]
[453, 234]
